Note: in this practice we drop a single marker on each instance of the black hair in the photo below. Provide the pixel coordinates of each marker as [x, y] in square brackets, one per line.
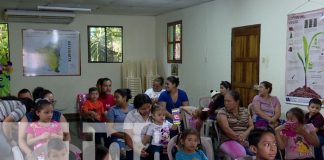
[267, 85]
[29, 103]
[203, 115]
[124, 92]
[234, 94]
[40, 104]
[92, 89]
[315, 101]
[8, 98]
[37, 92]
[256, 134]
[141, 99]
[298, 113]
[101, 152]
[40, 93]
[226, 84]
[159, 80]
[173, 80]
[100, 81]
[23, 91]
[45, 92]
[156, 108]
[55, 144]
[188, 132]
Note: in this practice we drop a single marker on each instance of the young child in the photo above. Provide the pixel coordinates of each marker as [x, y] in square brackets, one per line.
[57, 150]
[296, 137]
[93, 109]
[315, 117]
[40, 131]
[198, 116]
[263, 143]
[158, 133]
[189, 140]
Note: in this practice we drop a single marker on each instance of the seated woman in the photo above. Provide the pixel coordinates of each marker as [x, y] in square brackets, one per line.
[172, 97]
[218, 98]
[235, 124]
[156, 90]
[40, 93]
[266, 108]
[135, 122]
[117, 114]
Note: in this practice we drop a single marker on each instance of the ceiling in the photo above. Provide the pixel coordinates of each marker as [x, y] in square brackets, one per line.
[112, 7]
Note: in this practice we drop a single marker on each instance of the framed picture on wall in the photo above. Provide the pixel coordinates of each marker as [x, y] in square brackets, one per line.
[174, 69]
[51, 52]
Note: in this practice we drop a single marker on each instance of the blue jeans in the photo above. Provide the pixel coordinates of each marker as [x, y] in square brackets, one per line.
[318, 150]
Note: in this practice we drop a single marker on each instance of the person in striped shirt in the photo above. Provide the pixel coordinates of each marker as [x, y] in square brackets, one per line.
[11, 110]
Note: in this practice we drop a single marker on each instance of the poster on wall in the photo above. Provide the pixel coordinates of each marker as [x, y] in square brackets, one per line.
[50, 52]
[305, 57]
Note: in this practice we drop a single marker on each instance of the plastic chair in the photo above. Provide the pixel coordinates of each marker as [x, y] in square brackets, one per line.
[205, 142]
[185, 116]
[204, 101]
[81, 98]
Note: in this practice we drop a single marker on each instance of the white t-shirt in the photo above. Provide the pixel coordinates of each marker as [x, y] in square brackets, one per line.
[135, 122]
[150, 92]
[160, 133]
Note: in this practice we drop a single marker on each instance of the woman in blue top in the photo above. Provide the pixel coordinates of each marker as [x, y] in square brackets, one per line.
[173, 97]
[117, 114]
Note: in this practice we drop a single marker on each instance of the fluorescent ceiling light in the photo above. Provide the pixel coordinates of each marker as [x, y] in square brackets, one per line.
[9, 12]
[63, 8]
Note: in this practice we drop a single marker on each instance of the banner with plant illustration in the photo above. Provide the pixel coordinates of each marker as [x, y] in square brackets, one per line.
[305, 57]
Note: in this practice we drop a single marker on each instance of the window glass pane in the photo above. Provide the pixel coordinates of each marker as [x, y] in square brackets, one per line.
[4, 47]
[97, 44]
[171, 49]
[114, 44]
[177, 51]
[4, 59]
[174, 42]
[178, 32]
[170, 34]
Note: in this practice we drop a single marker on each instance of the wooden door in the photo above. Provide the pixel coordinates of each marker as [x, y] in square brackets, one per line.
[245, 61]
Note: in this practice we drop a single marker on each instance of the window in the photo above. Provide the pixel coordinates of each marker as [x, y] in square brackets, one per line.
[105, 44]
[5, 64]
[175, 42]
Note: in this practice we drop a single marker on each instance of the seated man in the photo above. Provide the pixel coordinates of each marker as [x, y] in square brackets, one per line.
[11, 110]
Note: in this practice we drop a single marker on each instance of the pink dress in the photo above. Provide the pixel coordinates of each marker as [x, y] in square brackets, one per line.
[297, 146]
[36, 129]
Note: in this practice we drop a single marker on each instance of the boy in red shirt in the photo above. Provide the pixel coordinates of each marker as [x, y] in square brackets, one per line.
[93, 110]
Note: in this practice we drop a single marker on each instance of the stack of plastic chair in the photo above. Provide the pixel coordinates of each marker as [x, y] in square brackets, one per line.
[135, 85]
[148, 72]
[131, 77]
[149, 80]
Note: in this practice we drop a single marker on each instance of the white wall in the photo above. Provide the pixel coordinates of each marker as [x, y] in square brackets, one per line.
[138, 41]
[207, 42]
